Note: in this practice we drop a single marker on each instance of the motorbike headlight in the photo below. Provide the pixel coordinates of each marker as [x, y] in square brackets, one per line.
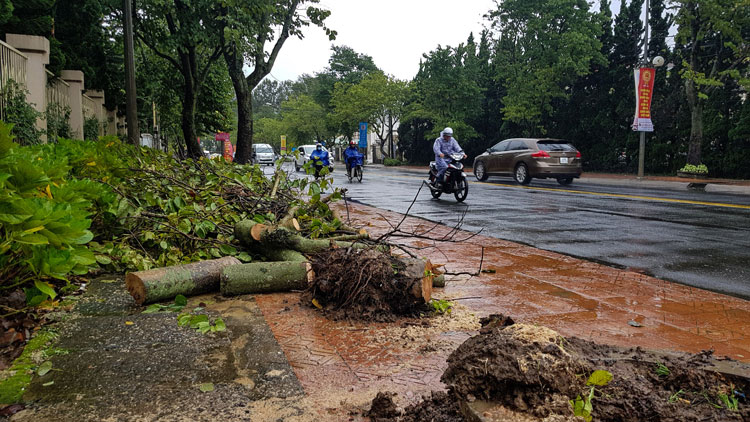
[463, 174]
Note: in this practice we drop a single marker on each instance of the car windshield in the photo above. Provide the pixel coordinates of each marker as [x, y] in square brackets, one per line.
[263, 149]
[555, 146]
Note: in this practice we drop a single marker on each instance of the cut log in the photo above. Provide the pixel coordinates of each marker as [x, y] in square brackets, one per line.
[187, 280]
[265, 277]
[420, 269]
[438, 281]
[290, 221]
[242, 231]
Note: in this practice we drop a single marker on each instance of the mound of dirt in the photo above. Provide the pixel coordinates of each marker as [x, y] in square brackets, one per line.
[534, 371]
[363, 284]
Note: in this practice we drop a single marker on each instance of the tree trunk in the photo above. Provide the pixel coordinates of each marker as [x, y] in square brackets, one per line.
[244, 109]
[188, 123]
[696, 133]
[166, 283]
[265, 277]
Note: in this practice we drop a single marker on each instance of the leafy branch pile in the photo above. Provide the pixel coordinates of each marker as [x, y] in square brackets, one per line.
[74, 206]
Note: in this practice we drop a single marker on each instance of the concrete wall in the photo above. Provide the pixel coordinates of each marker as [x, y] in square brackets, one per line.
[36, 50]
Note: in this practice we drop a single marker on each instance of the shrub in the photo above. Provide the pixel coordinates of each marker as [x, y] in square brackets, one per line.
[699, 169]
[58, 122]
[44, 217]
[20, 114]
[91, 128]
[393, 162]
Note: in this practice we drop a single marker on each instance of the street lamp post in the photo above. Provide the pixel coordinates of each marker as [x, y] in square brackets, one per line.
[642, 143]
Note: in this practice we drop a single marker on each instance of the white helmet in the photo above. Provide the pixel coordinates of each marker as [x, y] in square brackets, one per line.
[448, 131]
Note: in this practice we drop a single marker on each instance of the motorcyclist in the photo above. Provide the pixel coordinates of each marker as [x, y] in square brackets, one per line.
[351, 153]
[319, 158]
[445, 145]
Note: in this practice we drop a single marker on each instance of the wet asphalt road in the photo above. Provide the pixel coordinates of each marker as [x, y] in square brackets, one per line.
[691, 237]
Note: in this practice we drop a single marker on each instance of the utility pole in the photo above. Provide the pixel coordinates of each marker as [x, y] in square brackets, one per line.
[642, 144]
[134, 135]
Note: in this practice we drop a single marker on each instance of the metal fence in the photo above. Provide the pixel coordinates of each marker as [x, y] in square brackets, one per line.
[12, 67]
[89, 107]
[58, 91]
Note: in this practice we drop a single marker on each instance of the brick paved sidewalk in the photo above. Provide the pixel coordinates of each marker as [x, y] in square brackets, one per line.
[572, 296]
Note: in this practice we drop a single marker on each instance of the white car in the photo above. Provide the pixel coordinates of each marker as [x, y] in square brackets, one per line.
[263, 154]
[304, 155]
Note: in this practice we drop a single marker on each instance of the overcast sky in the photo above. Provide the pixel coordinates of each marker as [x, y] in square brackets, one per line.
[395, 33]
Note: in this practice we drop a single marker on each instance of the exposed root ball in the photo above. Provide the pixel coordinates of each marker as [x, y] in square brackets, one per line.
[363, 284]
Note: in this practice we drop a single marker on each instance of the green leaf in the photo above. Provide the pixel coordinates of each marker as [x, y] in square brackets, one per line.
[45, 288]
[244, 257]
[207, 387]
[599, 377]
[180, 300]
[220, 326]
[103, 259]
[184, 319]
[197, 319]
[44, 368]
[47, 384]
[153, 308]
[228, 250]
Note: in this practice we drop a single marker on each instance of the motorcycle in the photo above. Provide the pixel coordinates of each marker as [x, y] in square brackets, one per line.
[355, 168]
[454, 178]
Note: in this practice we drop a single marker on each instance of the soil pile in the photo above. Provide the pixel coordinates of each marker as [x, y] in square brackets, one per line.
[535, 371]
[364, 284]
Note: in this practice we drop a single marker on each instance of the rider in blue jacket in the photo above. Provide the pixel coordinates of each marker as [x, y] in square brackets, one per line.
[444, 145]
[351, 154]
[319, 158]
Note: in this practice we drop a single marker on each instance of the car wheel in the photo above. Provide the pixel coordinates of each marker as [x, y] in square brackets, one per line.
[522, 174]
[462, 190]
[565, 181]
[480, 172]
[296, 166]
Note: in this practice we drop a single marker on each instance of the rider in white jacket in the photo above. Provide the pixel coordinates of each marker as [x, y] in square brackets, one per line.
[445, 145]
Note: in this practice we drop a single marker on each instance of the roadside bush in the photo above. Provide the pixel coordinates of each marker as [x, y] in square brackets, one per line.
[21, 114]
[58, 122]
[44, 218]
[91, 128]
[393, 162]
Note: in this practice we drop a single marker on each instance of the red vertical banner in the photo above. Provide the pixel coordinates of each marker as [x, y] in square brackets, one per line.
[644, 90]
[228, 148]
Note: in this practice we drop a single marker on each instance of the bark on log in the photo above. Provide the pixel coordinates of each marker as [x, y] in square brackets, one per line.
[265, 277]
[166, 283]
[285, 255]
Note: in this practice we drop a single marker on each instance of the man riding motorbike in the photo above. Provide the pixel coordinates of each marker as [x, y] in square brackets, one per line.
[319, 158]
[350, 154]
[445, 145]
